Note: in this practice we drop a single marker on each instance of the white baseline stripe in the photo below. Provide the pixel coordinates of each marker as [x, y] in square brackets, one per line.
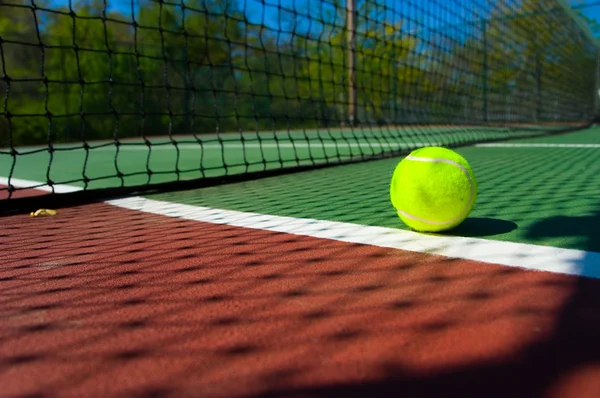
[536, 145]
[20, 183]
[527, 256]
[253, 145]
[315, 145]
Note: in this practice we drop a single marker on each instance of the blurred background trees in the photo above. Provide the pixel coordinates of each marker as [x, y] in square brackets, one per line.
[87, 72]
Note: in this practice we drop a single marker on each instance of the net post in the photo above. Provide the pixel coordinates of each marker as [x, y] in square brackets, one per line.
[350, 14]
[484, 75]
[539, 70]
[596, 114]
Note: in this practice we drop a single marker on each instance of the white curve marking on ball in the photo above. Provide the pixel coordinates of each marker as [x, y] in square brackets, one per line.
[472, 195]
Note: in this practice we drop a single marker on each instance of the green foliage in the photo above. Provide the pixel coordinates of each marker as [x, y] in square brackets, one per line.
[533, 61]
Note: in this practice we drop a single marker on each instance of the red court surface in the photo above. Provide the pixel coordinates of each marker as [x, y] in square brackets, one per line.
[104, 302]
[20, 193]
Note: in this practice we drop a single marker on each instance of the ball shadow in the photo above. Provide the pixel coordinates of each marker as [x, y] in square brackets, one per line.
[483, 226]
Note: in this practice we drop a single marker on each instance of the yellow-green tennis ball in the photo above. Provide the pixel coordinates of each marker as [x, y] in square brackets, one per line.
[433, 189]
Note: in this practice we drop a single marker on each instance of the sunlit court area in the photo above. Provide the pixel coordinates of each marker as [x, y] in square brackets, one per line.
[299, 198]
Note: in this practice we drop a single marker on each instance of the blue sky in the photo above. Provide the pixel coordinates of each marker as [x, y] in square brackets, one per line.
[591, 9]
[256, 10]
[254, 7]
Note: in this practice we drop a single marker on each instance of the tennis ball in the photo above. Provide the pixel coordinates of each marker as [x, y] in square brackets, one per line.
[433, 189]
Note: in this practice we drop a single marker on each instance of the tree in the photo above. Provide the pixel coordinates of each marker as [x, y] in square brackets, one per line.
[534, 64]
[20, 78]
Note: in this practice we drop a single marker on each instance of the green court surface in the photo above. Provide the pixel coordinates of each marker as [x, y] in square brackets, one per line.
[210, 155]
[541, 190]
[541, 195]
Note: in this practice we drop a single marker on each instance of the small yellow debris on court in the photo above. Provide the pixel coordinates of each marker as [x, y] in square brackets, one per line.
[43, 213]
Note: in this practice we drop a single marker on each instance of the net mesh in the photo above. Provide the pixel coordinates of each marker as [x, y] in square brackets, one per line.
[101, 93]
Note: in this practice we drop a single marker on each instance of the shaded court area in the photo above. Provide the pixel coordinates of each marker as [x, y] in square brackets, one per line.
[102, 301]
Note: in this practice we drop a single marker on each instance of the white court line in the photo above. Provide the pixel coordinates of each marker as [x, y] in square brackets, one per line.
[536, 145]
[255, 145]
[520, 255]
[250, 145]
[313, 145]
[527, 256]
[20, 183]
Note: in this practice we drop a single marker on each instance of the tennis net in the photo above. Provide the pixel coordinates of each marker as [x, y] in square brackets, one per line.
[105, 94]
